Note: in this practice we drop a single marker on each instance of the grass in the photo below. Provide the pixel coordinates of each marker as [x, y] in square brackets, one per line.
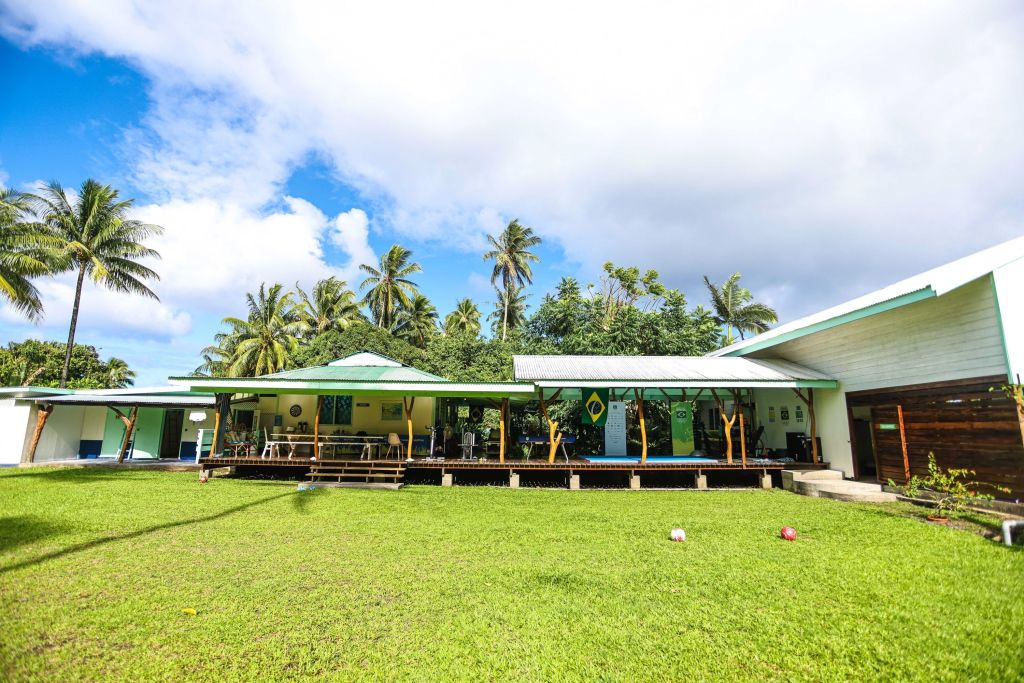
[96, 568]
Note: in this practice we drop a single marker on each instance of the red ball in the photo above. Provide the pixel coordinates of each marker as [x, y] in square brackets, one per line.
[788, 533]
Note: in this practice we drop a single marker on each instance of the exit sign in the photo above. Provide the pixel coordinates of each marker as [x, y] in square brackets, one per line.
[886, 425]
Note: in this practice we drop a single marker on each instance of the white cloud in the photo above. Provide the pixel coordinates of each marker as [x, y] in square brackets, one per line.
[351, 233]
[835, 144]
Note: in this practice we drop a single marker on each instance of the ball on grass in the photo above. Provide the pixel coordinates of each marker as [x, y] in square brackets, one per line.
[788, 533]
[677, 535]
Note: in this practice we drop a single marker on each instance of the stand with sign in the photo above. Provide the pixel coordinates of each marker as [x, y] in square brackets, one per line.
[615, 429]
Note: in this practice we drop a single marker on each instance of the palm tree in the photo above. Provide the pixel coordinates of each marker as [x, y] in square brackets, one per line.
[418, 322]
[512, 260]
[330, 306]
[510, 310]
[21, 255]
[465, 318]
[119, 375]
[735, 308]
[389, 286]
[262, 343]
[93, 235]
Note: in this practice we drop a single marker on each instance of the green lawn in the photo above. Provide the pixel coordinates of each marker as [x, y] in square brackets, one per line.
[97, 566]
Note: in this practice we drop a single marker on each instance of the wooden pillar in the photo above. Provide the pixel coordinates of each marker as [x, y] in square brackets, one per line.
[727, 423]
[129, 429]
[808, 401]
[743, 434]
[316, 427]
[502, 417]
[222, 403]
[553, 439]
[409, 405]
[903, 443]
[639, 395]
[42, 415]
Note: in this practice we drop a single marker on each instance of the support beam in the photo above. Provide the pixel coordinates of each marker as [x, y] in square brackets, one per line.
[639, 394]
[502, 417]
[409, 404]
[903, 443]
[316, 427]
[42, 415]
[553, 439]
[808, 400]
[727, 423]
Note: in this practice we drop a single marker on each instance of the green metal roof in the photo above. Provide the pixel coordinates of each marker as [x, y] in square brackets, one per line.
[354, 373]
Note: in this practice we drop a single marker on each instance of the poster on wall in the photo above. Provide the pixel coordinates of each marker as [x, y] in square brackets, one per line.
[799, 412]
[771, 414]
[682, 428]
[615, 429]
[784, 413]
[390, 411]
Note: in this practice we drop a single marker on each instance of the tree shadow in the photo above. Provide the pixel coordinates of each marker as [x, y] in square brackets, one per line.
[24, 529]
[82, 475]
[79, 547]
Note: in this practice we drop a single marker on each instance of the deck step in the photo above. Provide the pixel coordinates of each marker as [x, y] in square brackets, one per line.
[358, 474]
[851, 491]
[791, 476]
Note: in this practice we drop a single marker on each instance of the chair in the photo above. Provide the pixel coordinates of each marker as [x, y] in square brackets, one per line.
[468, 443]
[394, 442]
[268, 445]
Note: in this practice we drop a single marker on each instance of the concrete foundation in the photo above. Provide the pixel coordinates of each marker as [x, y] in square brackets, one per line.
[513, 480]
[574, 482]
[634, 482]
[701, 481]
[766, 480]
[448, 479]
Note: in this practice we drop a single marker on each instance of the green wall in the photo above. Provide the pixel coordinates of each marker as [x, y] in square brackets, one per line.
[148, 430]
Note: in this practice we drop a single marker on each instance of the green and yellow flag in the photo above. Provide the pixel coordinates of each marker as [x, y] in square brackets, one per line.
[595, 406]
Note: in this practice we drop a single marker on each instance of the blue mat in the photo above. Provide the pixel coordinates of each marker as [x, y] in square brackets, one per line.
[623, 459]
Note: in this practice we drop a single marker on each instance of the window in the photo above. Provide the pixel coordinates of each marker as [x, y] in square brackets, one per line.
[336, 410]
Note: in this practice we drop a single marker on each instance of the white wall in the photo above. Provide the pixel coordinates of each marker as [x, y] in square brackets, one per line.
[61, 435]
[93, 422]
[364, 418]
[953, 336]
[1009, 285]
[775, 432]
[15, 417]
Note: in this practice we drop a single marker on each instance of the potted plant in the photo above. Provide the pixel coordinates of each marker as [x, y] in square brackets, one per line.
[951, 490]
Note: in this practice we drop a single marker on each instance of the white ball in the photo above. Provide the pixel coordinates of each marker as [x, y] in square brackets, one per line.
[677, 535]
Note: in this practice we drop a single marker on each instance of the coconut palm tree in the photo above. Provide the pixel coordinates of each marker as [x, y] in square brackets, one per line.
[330, 306]
[264, 342]
[417, 323]
[464, 319]
[21, 255]
[119, 375]
[389, 287]
[512, 261]
[510, 311]
[92, 234]
[735, 308]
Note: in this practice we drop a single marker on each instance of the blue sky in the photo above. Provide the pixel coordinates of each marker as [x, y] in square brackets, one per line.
[822, 151]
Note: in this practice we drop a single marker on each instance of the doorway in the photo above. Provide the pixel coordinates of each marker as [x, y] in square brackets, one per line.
[863, 443]
[170, 440]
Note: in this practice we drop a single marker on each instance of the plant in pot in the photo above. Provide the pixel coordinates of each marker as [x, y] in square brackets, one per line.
[951, 490]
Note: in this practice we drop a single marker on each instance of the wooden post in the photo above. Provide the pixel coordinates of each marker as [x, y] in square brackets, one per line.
[639, 395]
[552, 426]
[316, 428]
[743, 433]
[216, 425]
[903, 443]
[129, 429]
[727, 423]
[42, 415]
[808, 401]
[503, 415]
[408, 421]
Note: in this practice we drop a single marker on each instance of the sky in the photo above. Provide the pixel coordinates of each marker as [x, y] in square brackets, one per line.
[821, 149]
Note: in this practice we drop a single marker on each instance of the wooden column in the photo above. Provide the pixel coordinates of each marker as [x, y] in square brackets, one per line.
[743, 432]
[727, 423]
[409, 405]
[903, 442]
[808, 401]
[42, 415]
[639, 395]
[502, 417]
[316, 428]
[129, 429]
[553, 439]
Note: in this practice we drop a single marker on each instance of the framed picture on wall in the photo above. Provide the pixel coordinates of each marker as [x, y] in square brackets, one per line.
[391, 411]
[771, 413]
[784, 413]
[799, 412]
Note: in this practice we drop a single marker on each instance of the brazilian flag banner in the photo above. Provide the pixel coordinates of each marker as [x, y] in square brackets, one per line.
[595, 406]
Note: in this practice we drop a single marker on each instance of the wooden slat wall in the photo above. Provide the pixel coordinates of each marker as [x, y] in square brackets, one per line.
[965, 426]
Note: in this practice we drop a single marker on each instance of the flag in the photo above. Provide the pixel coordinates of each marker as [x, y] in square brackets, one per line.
[595, 406]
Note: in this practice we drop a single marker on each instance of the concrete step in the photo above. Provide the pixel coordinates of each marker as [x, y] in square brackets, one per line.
[790, 476]
[852, 491]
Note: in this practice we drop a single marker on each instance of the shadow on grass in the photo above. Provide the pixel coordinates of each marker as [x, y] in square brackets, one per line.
[79, 547]
[82, 475]
[22, 529]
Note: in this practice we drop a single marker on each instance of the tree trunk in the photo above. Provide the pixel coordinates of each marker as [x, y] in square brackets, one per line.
[504, 318]
[42, 415]
[129, 432]
[71, 332]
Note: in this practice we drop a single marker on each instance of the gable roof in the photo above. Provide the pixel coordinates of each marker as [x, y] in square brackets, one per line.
[926, 285]
[362, 366]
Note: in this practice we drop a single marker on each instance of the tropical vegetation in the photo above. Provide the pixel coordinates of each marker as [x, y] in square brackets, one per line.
[735, 309]
[22, 255]
[40, 363]
[465, 319]
[388, 287]
[512, 259]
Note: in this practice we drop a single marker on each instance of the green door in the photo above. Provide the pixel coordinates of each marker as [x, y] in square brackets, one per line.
[148, 430]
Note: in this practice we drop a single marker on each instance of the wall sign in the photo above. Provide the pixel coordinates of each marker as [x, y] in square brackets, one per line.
[771, 413]
[390, 411]
[784, 413]
[615, 429]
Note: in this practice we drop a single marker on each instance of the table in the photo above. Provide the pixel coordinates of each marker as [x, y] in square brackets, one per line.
[370, 444]
[533, 441]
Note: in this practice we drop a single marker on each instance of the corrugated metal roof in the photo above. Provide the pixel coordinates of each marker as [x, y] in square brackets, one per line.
[31, 392]
[931, 283]
[186, 400]
[659, 369]
[355, 373]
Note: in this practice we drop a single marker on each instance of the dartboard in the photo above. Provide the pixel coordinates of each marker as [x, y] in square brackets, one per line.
[295, 410]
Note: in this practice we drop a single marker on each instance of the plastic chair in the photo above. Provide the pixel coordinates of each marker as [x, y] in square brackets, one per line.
[468, 443]
[394, 442]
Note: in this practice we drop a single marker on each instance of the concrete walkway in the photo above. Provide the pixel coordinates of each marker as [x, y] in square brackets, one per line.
[830, 484]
